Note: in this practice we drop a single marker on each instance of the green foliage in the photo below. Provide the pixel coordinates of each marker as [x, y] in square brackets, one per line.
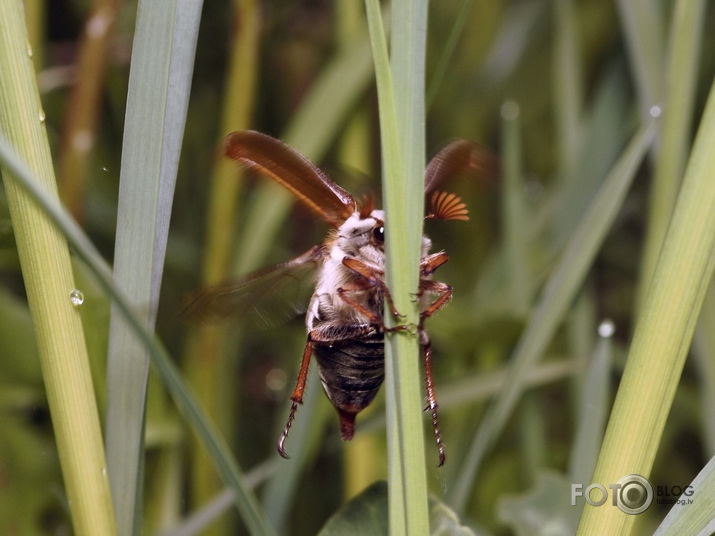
[163, 58]
[367, 514]
[400, 93]
[554, 247]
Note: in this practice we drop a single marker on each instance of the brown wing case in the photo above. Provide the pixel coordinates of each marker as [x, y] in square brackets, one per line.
[293, 171]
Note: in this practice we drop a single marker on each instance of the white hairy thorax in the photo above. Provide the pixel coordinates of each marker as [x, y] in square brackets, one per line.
[354, 238]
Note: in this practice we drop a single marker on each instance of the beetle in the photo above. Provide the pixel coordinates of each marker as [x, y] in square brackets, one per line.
[344, 318]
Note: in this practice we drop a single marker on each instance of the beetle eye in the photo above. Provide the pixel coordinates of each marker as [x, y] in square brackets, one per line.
[378, 233]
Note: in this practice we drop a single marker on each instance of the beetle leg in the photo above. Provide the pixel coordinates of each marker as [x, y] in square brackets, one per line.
[443, 292]
[297, 396]
[432, 405]
[431, 262]
[358, 286]
[428, 265]
[374, 319]
[374, 277]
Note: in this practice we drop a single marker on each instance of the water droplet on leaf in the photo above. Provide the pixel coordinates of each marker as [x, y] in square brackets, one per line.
[606, 329]
[76, 297]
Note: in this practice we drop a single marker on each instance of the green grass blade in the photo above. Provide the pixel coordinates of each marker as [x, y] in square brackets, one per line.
[407, 64]
[159, 87]
[592, 412]
[663, 332]
[47, 273]
[567, 87]
[517, 33]
[642, 23]
[36, 20]
[704, 346]
[605, 134]
[402, 142]
[162, 362]
[217, 505]
[558, 294]
[208, 358]
[696, 517]
[593, 408]
[448, 51]
[681, 76]
[512, 210]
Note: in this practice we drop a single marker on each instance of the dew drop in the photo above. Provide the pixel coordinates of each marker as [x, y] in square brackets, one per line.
[76, 297]
[606, 329]
[29, 50]
[655, 111]
[42, 116]
[105, 169]
[104, 471]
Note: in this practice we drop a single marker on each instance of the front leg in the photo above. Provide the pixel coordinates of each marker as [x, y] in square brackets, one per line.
[375, 277]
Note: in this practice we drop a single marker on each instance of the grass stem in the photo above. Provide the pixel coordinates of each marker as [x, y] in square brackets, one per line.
[45, 261]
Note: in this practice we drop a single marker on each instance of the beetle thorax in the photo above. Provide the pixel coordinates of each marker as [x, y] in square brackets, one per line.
[359, 238]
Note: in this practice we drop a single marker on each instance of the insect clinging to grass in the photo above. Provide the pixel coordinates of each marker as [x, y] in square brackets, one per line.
[344, 318]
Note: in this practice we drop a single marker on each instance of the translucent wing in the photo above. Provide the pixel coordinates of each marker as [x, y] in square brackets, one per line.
[270, 295]
[290, 169]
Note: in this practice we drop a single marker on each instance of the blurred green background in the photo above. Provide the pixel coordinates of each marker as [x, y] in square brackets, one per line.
[577, 76]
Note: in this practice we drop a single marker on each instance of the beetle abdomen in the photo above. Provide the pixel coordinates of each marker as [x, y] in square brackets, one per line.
[351, 373]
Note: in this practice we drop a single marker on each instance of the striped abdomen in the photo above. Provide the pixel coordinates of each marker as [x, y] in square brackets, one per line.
[351, 372]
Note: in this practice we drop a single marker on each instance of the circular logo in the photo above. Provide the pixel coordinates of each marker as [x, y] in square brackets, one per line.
[634, 495]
